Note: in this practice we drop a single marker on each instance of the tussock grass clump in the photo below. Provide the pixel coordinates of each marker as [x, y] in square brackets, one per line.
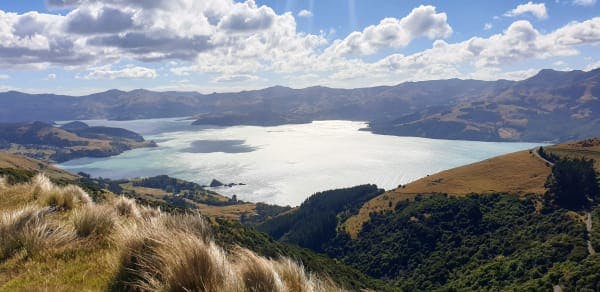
[127, 207]
[78, 193]
[94, 220]
[156, 251]
[190, 263]
[176, 253]
[29, 229]
[188, 223]
[3, 183]
[149, 213]
[58, 200]
[257, 273]
[62, 198]
[293, 275]
[41, 185]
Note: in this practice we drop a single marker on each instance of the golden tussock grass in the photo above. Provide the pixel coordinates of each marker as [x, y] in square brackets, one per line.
[94, 220]
[63, 198]
[29, 229]
[127, 207]
[148, 250]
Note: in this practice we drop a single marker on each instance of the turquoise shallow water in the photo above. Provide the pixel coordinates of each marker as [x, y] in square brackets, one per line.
[284, 164]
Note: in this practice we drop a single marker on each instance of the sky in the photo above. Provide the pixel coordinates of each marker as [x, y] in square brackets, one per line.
[84, 46]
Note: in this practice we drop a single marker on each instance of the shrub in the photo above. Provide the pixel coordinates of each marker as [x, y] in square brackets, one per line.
[573, 183]
[94, 220]
[28, 229]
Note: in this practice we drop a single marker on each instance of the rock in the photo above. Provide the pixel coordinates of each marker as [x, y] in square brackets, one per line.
[215, 183]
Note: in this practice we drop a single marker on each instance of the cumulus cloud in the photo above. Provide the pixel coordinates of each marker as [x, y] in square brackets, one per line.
[235, 78]
[233, 41]
[395, 33]
[536, 9]
[487, 26]
[130, 72]
[592, 66]
[50, 76]
[584, 2]
[89, 20]
[305, 13]
[95, 32]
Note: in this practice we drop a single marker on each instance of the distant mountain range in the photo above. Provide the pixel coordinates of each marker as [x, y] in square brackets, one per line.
[550, 106]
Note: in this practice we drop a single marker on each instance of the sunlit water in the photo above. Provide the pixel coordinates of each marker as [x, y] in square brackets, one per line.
[284, 164]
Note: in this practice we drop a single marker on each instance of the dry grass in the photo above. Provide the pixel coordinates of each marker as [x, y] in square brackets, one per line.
[257, 273]
[94, 220]
[30, 230]
[127, 207]
[515, 173]
[589, 149]
[176, 253]
[228, 212]
[149, 250]
[8, 160]
[3, 183]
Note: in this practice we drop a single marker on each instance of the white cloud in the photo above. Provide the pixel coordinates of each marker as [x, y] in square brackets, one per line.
[233, 42]
[235, 78]
[584, 2]
[487, 26]
[395, 33]
[50, 76]
[4, 77]
[305, 13]
[131, 72]
[592, 66]
[536, 9]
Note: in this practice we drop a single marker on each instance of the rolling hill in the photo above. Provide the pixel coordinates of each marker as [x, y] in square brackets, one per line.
[49, 143]
[452, 109]
[516, 173]
[72, 232]
[491, 225]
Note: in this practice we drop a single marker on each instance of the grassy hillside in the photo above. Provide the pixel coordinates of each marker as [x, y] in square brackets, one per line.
[11, 163]
[515, 173]
[315, 221]
[528, 238]
[53, 144]
[61, 238]
[589, 148]
[473, 243]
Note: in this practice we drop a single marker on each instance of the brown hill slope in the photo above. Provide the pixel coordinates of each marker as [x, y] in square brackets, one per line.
[589, 148]
[515, 173]
[11, 161]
